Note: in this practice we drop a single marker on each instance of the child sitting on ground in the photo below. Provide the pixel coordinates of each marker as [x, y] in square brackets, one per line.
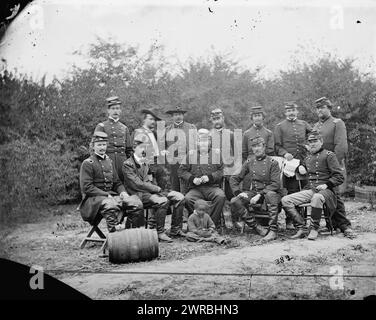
[200, 226]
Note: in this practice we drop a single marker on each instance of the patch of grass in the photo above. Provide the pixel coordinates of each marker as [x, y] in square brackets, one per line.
[317, 259]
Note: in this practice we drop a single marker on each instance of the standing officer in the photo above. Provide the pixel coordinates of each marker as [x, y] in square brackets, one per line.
[324, 175]
[138, 181]
[257, 130]
[263, 183]
[154, 155]
[103, 191]
[290, 136]
[333, 132]
[217, 134]
[204, 178]
[119, 140]
[181, 151]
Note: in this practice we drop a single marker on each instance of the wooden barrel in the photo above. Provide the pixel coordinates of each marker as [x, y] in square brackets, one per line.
[136, 244]
[365, 194]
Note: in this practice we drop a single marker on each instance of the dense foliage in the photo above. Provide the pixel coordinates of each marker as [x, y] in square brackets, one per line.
[45, 128]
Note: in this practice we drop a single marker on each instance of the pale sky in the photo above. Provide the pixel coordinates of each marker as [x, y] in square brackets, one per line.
[256, 33]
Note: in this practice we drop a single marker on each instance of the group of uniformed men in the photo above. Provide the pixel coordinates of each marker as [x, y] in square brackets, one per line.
[118, 180]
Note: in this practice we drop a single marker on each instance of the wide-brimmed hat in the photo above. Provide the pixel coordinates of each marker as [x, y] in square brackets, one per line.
[152, 113]
[177, 109]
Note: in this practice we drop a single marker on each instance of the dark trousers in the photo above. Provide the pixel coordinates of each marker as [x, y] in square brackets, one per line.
[339, 219]
[176, 183]
[239, 208]
[228, 191]
[159, 175]
[159, 211]
[208, 193]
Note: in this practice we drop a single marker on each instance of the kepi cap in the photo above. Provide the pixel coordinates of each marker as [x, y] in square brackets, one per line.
[217, 112]
[323, 101]
[257, 140]
[290, 105]
[99, 136]
[314, 136]
[258, 109]
[111, 101]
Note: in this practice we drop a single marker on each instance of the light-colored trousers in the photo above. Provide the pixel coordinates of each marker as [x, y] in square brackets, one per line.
[316, 199]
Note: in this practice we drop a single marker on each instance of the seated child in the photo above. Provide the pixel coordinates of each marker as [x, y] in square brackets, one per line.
[200, 226]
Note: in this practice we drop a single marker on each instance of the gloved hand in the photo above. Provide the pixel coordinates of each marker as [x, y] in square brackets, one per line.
[302, 170]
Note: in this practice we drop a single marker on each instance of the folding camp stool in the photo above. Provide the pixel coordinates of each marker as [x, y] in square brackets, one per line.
[95, 229]
[328, 217]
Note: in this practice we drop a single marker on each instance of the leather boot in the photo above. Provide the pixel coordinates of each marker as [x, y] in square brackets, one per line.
[313, 234]
[164, 237]
[272, 235]
[300, 234]
[316, 217]
[290, 226]
[160, 217]
[260, 230]
[295, 216]
[273, 217]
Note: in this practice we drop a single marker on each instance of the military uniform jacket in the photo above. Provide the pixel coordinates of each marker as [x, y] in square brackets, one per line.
[119, 138]
[172, 138]
[190, 171]
[253, 132]
[98, 179]
[323, 168]
[290, 137]
[333, 132]
[137, 178]
[258, 174]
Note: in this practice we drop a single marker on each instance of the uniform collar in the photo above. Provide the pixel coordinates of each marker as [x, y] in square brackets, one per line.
[261, 157]
[258, 127]
[321, 149]
[178, 125]
[292, 120]
[326, 119]
[139, 161]
[147, 129]
[114, 120]
[99, 156]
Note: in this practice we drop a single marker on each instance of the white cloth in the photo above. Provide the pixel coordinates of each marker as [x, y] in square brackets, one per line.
[290, 167]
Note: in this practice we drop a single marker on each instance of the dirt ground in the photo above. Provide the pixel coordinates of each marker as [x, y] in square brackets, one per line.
[281, 269]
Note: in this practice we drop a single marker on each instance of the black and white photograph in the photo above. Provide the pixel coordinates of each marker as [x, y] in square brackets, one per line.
[188, 155]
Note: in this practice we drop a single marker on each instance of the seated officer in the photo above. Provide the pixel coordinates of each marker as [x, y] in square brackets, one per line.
[139, 181]
[324, 176]
[103, 192]
[263, 182]
[203, 178]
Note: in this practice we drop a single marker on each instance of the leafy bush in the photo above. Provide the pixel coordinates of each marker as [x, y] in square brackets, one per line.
[44, 127]
[36, 172]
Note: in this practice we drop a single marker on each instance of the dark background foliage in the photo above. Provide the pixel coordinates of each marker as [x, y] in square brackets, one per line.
[45, 128]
